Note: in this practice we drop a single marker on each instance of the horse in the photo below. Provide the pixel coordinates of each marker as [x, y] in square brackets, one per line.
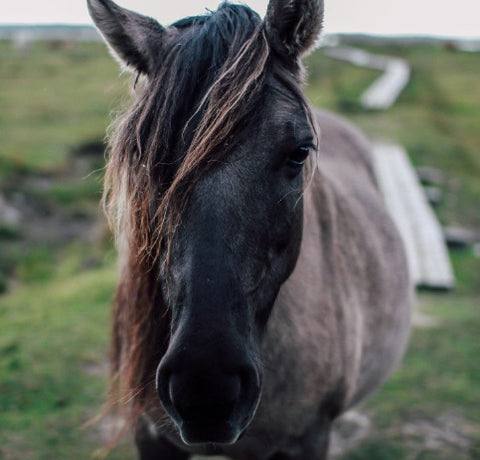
[263, 287]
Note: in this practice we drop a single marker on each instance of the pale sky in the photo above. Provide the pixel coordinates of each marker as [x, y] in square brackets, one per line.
[458, 18]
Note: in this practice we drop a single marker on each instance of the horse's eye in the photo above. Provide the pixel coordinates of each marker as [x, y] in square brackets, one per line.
[299, 155]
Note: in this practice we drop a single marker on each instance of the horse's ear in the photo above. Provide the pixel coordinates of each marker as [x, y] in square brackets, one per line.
[134, 38]
[293, 26]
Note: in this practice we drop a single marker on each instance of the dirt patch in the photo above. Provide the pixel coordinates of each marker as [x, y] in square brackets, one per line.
[423, 321]
[95, 368]
[446, 433]
[41, 222]
[46, 211]
[446, 436]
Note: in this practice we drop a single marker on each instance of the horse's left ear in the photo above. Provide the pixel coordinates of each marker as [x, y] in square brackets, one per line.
[134, 38]
[293, 26]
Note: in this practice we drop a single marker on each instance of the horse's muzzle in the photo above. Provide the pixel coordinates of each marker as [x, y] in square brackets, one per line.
[208, 405]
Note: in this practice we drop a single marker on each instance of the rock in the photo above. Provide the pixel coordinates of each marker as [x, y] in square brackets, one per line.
[434, 195]
[476, 250]
[430, 176]
[92, 148]
[459, 237]
[8, 214]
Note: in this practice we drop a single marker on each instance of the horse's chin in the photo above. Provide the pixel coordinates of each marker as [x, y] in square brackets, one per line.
[206, 434]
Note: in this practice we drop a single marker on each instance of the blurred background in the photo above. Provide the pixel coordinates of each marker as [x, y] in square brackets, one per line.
[60, 89]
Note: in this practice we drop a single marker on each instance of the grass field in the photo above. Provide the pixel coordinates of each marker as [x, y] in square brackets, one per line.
[57, 268]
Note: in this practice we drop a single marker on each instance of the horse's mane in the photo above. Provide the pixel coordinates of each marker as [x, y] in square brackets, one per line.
[210, 75]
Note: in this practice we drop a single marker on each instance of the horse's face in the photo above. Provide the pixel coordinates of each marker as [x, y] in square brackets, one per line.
[237, 241]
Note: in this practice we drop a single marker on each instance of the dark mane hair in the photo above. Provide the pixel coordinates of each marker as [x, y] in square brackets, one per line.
[210, 75]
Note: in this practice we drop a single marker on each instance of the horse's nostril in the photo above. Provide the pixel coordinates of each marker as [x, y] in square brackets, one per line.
[198, 400]
[206, 412]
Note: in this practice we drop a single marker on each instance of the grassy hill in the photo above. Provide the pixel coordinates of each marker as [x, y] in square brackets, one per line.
[57, 266]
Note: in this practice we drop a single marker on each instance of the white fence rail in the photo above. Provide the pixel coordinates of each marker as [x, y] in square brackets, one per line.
[421, 232]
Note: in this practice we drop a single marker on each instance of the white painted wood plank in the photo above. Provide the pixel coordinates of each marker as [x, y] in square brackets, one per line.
[422, 235]
[358, 57]
[398, 211]
[384, 91]
[435, 263]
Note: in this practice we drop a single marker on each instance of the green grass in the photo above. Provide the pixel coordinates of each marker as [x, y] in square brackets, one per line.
[54, 317]
[53, 99]
[56, 329]
[455, 385]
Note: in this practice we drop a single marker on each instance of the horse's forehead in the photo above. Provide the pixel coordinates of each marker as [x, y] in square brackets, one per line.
[284, 117]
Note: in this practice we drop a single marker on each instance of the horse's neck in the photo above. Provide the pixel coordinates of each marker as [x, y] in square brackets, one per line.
[316, 307]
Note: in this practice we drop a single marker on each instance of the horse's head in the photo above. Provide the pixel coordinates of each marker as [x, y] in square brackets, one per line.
[209, 164]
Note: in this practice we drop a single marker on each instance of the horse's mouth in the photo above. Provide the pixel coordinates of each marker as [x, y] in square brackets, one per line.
[211, 430]
[195, 433]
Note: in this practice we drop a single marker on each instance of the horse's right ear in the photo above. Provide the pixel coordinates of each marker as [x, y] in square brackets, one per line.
[134, 39]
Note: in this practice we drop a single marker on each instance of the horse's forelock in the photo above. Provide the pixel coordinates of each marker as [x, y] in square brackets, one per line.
[212, 75]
